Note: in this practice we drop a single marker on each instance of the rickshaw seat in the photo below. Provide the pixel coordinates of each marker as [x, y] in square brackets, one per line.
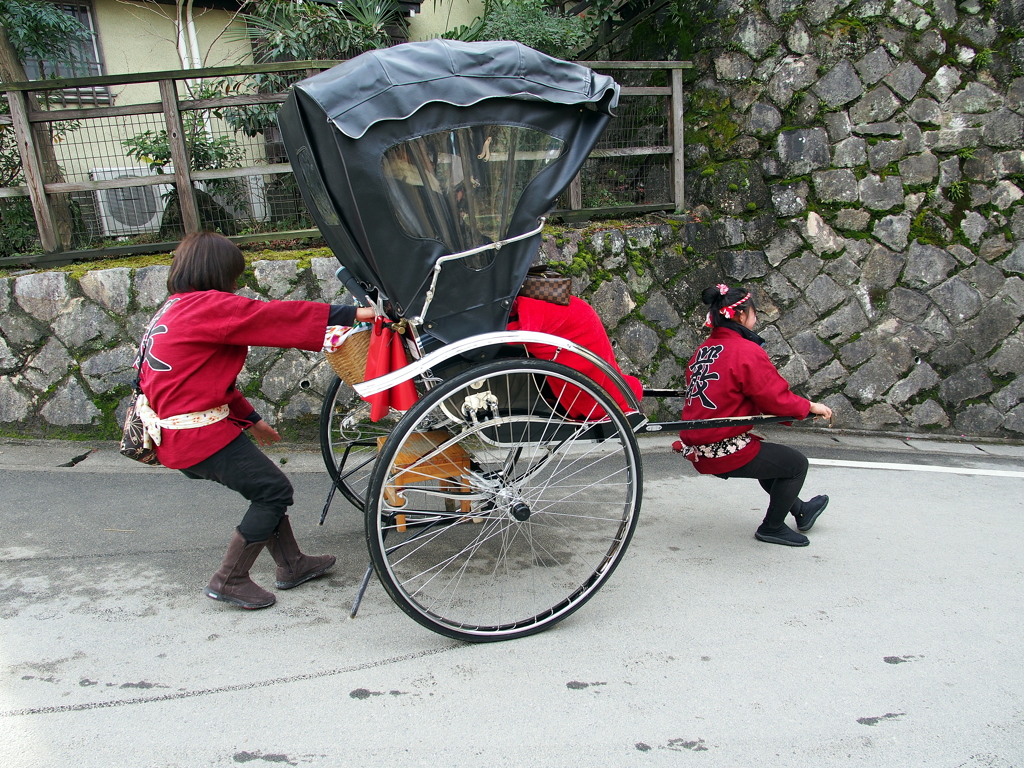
[448, 466]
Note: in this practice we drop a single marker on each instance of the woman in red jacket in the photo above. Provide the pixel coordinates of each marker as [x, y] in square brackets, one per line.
[192, 351]
[731, 375]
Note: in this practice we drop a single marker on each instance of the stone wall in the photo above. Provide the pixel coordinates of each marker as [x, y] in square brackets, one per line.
[937, 350]
[67, 347]
[860, 165]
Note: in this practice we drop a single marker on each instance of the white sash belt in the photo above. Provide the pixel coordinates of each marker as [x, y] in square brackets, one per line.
[154, 423]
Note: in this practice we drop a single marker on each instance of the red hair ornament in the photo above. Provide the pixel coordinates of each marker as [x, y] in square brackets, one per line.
[728, 312]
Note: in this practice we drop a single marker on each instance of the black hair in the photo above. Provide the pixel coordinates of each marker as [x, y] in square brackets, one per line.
[205, 261]
[737, 297]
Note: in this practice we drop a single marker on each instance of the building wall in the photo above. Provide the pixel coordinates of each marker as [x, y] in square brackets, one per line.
[136, 37]
[140, 37]
[438, 16]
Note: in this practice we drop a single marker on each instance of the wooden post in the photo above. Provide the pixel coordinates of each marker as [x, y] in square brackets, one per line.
[33, 169]
[576, 193]
[179, 156]
[678, 164]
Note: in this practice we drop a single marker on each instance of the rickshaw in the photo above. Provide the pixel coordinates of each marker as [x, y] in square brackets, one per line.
[503, 499]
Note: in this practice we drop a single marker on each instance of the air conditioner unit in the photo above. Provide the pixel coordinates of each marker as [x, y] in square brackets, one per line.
[130, 210]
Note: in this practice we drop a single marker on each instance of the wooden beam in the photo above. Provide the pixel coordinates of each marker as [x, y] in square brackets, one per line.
[678, 144]
[644, 90]
[631, 151]
[179, 156]
[89, 113]
[153, 108]
[242, 100]
[637, 64]
[258, 69]
[234, 173]
[157, 179]
[94, 254]
[584, 214]
[124, 183]
[290, 234]
[576, 192]
[33, 170]
[171, 74]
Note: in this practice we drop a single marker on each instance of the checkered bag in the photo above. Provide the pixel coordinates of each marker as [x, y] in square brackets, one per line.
[547, 285]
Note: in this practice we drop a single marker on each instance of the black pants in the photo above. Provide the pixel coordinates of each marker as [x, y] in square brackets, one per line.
[781, 471]
[243, 467]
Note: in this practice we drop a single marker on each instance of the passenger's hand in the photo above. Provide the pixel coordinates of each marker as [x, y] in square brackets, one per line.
[364, 314]
[820, 409]
[263, 433]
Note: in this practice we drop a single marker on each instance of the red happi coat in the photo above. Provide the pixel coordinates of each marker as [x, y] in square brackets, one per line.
[729, 375]
[195, 347]
[577, 322]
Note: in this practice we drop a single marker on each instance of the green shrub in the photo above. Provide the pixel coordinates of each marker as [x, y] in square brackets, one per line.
[532, 23]
[17, 226]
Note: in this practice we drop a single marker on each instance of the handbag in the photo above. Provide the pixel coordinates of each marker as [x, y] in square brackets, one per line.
[546, 284]
[134, 438]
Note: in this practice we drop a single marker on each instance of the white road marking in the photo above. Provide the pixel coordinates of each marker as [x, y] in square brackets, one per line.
[916, 467]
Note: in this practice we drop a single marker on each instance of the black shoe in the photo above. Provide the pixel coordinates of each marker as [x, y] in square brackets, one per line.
[784, 535]
[810, 512]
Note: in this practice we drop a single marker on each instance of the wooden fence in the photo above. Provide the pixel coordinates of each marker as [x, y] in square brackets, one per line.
[32, 122]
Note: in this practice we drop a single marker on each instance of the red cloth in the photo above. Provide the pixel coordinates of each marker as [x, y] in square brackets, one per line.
[727, 376]
[387, 354]
[196, 345]
[579, 323]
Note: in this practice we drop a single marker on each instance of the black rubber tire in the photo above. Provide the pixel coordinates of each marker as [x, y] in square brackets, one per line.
[352, 451]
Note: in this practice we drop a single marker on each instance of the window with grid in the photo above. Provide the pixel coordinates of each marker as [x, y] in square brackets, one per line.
[84, 62]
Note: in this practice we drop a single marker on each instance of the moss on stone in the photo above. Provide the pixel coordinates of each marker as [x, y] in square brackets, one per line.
[583, 261]
[710, 120]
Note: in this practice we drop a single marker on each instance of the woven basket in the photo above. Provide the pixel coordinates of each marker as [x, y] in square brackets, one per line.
[349, 362]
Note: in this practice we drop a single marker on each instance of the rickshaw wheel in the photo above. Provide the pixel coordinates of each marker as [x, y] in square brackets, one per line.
[493, 515]
[348, 440]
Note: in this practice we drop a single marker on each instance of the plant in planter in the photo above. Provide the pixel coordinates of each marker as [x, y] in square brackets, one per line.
[206, 152]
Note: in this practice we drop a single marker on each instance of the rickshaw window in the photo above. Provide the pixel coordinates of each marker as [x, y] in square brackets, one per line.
[461, 186]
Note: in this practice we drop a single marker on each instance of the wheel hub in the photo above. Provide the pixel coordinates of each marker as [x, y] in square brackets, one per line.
[508, 498]
[521, 511]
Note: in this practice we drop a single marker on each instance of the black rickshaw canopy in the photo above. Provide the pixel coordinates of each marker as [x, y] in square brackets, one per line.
[411, 154]
[393, 83]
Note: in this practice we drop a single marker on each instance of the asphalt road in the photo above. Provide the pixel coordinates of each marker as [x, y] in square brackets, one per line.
[894, 639]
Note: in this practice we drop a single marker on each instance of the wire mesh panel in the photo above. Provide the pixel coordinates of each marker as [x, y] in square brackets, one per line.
[93, 150]
[632, 163]
[95, 146]
[90, 134]
[244, 136]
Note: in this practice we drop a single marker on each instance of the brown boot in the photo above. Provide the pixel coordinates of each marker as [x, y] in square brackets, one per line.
[293, 567]
[232, 583]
